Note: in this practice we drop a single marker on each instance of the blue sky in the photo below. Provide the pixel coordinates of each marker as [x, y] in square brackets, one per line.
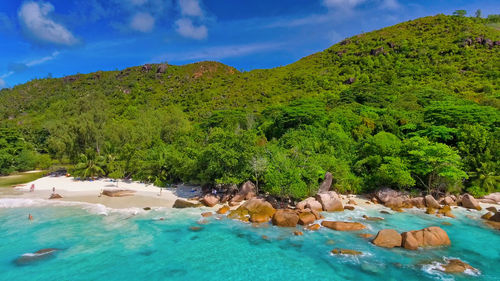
[62, 37]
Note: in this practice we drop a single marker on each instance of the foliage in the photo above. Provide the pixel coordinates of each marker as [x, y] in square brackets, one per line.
[420, 114]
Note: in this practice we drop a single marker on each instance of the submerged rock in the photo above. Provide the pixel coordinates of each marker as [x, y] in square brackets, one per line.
[365, 235]
[387, 238]
[339, 251]
[206, 214]
[343, 226]
[372, 218]
[313, 227]
[39, 255]
[350, 208]
[457, 266]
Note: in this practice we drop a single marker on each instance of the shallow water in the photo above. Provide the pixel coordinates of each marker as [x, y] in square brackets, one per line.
[97, 243]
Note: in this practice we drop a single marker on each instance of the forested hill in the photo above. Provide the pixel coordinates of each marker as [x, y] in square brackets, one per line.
[412, 106]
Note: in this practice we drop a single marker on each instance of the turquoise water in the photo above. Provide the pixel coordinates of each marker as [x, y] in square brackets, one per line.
[96, 243]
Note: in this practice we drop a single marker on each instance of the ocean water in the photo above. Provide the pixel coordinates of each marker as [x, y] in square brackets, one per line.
[97, 243]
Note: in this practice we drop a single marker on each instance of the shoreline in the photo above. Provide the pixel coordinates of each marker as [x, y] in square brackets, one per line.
[143, 196]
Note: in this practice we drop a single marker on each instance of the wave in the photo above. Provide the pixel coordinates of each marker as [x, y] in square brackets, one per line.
[97, 209]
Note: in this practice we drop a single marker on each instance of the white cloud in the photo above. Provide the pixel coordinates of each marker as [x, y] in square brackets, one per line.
[142, 22]
[391, 4]
[186, 28]
[191, 8]
[36, 21]
[2, 83]
[219, 52]
[342, 4]
[42, 60]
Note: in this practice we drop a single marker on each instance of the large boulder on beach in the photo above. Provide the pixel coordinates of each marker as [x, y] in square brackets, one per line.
[387, 238]
[223, 210]
[418, 202]
[118, 192]
[209, 200]
[391, 198]
[247, 192]
[180, 204]
[493, 197]
[285, 218]
[343, 225]
[469, 202]
[430, 202]
[330, 201]
[448, 200]
[310, 203]
[326, 184]
[428, 237]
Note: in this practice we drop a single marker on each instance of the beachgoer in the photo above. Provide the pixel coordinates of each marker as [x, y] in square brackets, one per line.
[53, 190]
[161, 188]
[32, 188]
[100, 194]
[30, 217]
[214, 191]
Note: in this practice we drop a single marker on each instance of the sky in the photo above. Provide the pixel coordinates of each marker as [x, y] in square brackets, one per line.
[55, 38]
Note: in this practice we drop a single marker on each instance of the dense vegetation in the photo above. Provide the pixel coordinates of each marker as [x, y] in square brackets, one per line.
[413, 106]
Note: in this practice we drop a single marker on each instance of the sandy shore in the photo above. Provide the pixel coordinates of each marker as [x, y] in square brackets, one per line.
[145, 195]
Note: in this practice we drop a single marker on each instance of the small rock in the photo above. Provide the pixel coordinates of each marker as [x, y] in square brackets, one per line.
[313, 227]
[195, 228]
[487, 216]
[372, 218]
[350, 208]
[55, 196]
[298, 233]
[495, 217]
[351, 202]
[492, 209]
[147, 208]
[206, 214]
[209, 200]
[179, 203]
[306, 218]
[224, 209]
[385, 212]
[365, 235]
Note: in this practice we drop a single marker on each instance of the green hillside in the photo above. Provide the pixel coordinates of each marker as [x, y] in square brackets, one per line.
[412, 106]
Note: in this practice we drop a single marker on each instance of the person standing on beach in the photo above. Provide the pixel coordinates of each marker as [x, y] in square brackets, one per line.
[53, 190]
[32, 187]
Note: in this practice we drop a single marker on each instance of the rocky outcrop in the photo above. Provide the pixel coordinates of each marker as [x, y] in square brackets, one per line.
[162, 68]
[55, 196]
[313, 227]
[448, 200]
[457, 266]
[372, 218]
[343, 226]
[209, 200]
[428, 237]
[469, 202]
[351, 202]
[255, 210]
[430, 202]
[206, 214]
[285, 218]
[36, 256]
[247, 192]
[146, 68]
[326, 184]
[330, 201]
[376, 52]
[388, 238]
[495, 217]
[391, 198]
[117, 192]
[180, 204]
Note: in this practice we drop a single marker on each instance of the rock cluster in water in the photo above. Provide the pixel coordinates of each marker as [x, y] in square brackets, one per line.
[428, 237]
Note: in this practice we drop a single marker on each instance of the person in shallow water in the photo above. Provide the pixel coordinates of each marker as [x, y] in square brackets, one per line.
[30, 217]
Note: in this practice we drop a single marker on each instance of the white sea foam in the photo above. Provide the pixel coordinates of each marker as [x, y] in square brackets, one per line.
[97, 209]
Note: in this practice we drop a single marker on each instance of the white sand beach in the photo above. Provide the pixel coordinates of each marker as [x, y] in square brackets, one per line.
[144, 195]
